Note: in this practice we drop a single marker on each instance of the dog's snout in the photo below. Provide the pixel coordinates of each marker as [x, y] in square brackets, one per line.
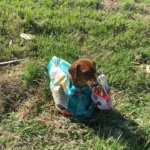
[95, 83]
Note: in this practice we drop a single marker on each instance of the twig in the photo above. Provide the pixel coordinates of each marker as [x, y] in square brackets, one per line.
[120, 92]
[11, 62]
[136, 63]
[71, 34]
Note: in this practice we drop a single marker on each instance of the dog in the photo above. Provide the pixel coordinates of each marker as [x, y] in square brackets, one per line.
[71, 85]
[83, 72]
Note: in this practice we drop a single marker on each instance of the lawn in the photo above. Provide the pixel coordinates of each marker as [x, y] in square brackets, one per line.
[113, 33]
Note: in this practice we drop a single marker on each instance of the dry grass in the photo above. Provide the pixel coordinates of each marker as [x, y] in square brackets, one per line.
[11, 88]
[110, 4]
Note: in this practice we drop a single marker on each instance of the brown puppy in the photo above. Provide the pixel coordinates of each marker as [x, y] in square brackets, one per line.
[83, 72]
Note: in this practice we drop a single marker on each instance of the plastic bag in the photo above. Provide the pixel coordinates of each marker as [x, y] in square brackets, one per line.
[67, 97]
[102, 100]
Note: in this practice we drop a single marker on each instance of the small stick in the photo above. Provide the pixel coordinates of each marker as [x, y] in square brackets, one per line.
[11, 61]
[120, 92]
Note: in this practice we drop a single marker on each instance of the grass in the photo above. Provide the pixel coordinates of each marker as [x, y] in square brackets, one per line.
[115, 34]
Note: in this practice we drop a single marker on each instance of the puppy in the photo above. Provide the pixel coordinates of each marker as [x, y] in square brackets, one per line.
[83, 72]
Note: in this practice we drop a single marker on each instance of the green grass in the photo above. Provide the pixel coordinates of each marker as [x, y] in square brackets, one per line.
[116, 35]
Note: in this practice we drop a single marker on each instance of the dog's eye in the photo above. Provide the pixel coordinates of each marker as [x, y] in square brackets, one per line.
[86, 73]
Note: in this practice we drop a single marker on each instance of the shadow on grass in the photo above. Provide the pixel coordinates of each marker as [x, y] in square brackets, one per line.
[117, 125]
[45, 29]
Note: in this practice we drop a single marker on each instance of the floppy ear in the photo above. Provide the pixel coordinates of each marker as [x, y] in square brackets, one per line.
[73, 70]
[94, 63]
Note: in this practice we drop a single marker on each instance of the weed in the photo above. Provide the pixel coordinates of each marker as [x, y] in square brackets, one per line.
[32, 74]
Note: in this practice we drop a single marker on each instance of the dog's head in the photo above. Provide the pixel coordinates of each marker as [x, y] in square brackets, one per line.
[82, 72]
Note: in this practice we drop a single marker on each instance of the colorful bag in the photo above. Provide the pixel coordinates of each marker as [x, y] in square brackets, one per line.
[102, 100]
[67, 97]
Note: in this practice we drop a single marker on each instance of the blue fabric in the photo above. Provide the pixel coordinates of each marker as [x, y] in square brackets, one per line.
[79, 100]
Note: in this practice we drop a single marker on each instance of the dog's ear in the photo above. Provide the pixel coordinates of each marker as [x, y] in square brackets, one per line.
[73, 70]
[94, 63]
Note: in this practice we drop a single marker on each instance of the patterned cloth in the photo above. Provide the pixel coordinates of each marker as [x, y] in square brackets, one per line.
[66, 95]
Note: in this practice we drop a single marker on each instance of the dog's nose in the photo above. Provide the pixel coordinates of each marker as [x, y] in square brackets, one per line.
[95, 83]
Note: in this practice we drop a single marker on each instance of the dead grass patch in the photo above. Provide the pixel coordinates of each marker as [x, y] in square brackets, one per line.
[110, 4]
[11, 88]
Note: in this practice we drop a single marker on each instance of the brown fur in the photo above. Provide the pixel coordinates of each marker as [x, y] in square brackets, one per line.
[82, 72]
